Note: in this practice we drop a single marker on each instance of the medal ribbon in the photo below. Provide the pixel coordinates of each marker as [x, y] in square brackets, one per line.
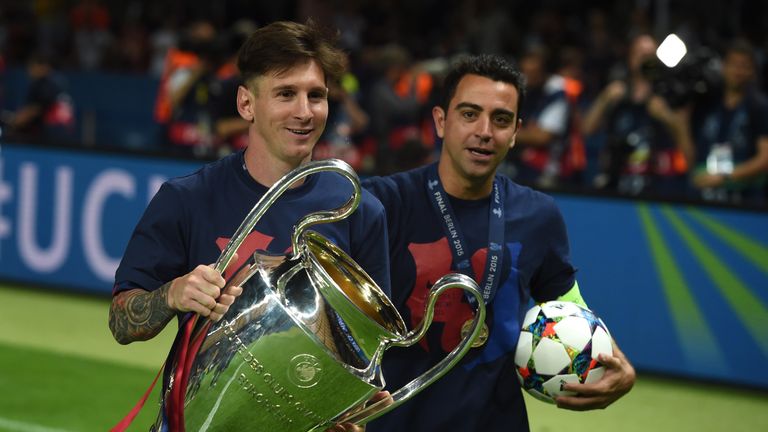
[461, 259]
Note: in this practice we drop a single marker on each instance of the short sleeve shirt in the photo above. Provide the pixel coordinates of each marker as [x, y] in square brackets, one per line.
[191, 218]
[481, 393]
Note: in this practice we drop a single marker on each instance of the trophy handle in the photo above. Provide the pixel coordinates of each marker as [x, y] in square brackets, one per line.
[278, 189]
[452, 280]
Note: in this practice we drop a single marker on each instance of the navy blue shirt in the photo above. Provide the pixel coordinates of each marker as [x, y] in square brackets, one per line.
[481, 393]
[191, 218]
[630, 123]
[740, 127]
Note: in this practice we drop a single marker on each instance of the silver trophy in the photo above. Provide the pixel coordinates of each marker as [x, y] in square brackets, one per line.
[301, 349]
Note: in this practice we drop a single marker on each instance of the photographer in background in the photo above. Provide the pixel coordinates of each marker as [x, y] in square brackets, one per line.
[347, 120]
[730, 134]
[199, 74]
[47, 115]
[545, 137]
[643, 133]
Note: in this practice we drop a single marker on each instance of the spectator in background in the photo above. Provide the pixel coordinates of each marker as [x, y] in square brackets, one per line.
[351, 24]
[600, 50]
[17, 31]
[643, 134]
[231, 130]
[131, 50]
[397, 104]
[488, 22]
[90, 21]
[191, 87]
[162, 40]
[730, 134]
[52, 27]
[346, 121]
[47, 114]
[544, 138]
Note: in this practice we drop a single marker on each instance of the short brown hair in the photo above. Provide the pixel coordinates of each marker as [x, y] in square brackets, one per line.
[281, 45]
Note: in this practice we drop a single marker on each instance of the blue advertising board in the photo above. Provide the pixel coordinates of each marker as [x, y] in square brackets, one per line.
[683, 289]
[65, 217]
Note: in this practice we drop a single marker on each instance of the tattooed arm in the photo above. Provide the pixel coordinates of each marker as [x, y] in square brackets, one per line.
[137, 315]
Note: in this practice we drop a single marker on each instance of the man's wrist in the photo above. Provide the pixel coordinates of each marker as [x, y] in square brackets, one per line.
[165, 293]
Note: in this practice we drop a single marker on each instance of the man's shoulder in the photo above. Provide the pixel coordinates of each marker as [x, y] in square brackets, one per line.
[370, 201]
[206, 177]
[758, 102]
[396, 186]
[332, 187]
[518, 195]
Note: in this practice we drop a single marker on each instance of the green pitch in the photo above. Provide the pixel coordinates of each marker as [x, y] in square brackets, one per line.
[60, 371]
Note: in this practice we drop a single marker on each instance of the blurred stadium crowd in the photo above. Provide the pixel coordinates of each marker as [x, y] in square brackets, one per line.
[602, 113]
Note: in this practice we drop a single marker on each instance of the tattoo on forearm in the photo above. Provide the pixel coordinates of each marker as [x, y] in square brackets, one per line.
[139, 315]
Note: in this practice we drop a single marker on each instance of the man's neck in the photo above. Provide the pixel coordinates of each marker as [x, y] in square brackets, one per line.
[733, 97]
[641, 89]
[268, 170]
[464, 188]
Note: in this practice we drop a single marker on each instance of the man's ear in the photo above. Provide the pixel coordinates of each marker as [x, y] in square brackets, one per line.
[514, 135]
[245, 103]
[438, 116]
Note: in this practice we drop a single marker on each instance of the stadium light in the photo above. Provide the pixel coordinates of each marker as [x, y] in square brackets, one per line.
[671, 50]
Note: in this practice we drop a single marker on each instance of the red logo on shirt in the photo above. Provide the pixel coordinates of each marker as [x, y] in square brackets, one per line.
[253, 242]
[433, 260]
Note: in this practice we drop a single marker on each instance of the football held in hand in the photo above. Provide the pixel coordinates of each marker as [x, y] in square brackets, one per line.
[560, 343]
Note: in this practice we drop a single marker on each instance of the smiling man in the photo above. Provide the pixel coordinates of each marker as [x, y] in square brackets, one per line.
[460, 215]
[164, 272]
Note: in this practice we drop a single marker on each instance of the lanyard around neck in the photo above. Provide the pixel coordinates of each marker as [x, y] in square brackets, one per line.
[450, 224]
